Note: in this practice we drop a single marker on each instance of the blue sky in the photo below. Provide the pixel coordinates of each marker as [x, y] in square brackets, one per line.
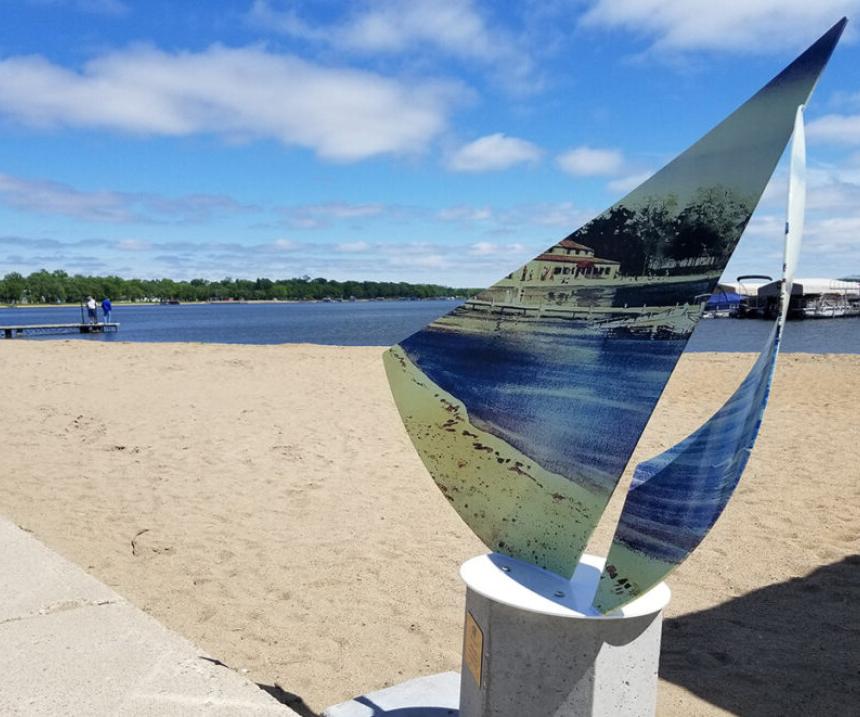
[427, 141]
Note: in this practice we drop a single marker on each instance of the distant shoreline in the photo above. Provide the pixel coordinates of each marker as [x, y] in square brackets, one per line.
[381, 323]
[239, 301]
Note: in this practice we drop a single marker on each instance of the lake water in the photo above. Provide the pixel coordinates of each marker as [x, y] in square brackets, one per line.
[382, 323]
[573, 401]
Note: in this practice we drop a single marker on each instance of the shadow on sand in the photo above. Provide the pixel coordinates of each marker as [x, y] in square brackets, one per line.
[290, 699]
[786, 649]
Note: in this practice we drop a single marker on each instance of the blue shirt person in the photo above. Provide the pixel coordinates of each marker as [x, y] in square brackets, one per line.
[106, 309]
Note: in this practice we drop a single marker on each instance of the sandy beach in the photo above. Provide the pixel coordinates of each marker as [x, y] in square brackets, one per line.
[266, 503]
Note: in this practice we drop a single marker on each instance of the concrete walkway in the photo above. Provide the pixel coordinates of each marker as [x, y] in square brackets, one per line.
[69, 645]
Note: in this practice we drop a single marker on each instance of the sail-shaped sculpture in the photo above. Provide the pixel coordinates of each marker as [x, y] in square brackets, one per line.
[676, 498]
[526, 402]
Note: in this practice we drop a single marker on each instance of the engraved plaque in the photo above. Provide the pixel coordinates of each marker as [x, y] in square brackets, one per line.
[473, 647]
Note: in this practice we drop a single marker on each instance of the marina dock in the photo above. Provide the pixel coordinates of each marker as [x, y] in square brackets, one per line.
[11, 332]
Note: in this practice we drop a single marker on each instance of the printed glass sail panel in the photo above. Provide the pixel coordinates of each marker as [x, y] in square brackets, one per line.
[526, 402]
[676, 498]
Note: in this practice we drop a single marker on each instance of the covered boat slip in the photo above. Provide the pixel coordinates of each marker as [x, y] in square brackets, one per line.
[810, 298]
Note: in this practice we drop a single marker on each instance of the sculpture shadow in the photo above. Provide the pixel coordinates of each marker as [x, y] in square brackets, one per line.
[406, 711]
[786, 649]
[290, 699]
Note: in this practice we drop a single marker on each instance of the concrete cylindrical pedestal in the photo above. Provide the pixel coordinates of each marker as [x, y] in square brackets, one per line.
[534, 647]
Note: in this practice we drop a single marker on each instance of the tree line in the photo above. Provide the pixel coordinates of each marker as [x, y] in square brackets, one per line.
[659, 236]
[59, 287]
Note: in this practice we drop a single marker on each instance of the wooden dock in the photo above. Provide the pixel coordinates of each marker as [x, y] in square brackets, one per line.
[11, 332]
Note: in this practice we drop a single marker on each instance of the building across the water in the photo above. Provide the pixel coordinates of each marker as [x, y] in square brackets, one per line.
[564, 262]
[554, 276]
[569, 283]
[569, 278]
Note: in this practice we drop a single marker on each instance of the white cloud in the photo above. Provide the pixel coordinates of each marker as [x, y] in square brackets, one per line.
[237, 93]
[845, 100]
[591, 162]
[486, 248]
[353, 247]
[317, 216]
[628, 183]
[835, 129]
[55, 198]
[134, 245]
[350, 211]
[836, 188]
[735, 25]
[421, 261]
[829, 246]
[455, 28]
[46, 197]
[560, 215]
[828, 188]
[465, 213]
[493, 152]
[482, 248]
[836, 239]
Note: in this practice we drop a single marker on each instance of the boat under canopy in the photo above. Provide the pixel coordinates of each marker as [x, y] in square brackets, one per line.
[816, 298]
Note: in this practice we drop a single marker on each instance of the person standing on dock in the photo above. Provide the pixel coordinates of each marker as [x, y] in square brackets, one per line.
[91, 310]
[106, 309]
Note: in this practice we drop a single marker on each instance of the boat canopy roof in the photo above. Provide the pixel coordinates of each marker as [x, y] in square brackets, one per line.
[742, 288]
[802, 287]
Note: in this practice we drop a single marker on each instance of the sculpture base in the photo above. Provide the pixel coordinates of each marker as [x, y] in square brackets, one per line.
[533, 645]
